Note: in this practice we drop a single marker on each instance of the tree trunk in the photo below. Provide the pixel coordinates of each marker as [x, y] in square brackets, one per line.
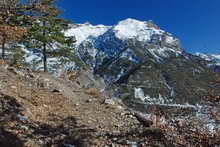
[45, 57]
[44, 49]
[3, 48]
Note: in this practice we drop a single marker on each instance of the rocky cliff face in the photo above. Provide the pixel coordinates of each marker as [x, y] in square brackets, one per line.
[141, 63]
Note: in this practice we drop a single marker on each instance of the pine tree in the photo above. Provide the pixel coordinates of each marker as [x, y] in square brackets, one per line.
[6, 31]
[12, 18]
[46, 34]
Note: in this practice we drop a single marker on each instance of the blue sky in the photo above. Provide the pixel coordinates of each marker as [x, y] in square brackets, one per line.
[195, 22]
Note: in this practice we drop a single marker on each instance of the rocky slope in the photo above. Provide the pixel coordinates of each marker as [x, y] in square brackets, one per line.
[38, 110]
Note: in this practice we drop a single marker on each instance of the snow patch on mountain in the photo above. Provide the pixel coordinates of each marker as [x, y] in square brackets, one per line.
[214, 60]
[216, 56]
[84, 31]
[139, 94]
[204, 56]
[170, 39]
[209, 57]
[131, 28]
[163, 52]
[55, 65]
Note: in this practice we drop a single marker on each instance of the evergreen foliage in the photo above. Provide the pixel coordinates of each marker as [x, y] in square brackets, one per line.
[46, 34]
[11, 29]
[37, 24]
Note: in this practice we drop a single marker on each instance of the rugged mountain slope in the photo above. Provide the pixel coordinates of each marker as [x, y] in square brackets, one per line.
[212, 59]
[139, 62]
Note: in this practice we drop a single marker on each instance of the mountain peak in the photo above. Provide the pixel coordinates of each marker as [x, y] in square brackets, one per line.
[131, 21]
[141, 30]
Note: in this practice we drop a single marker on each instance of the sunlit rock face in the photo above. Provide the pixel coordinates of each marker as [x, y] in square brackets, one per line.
[141, 63]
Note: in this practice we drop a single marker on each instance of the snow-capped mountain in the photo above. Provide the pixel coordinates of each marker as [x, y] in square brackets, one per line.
[113, 39]
[84, 31]
[139, 55]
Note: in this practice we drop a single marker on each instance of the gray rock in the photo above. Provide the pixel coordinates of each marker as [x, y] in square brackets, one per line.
[89, 100]
[109, 102]
[25, 128]
[131, 143]
[68, 145]
[22, 118]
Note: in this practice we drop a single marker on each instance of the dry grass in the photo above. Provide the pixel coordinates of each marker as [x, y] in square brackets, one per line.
[2, 62]
[94, 92]
[72, 75]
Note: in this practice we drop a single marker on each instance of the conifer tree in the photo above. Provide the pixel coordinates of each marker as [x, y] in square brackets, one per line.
[8, 32]
[46, 34]
[12, 18]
